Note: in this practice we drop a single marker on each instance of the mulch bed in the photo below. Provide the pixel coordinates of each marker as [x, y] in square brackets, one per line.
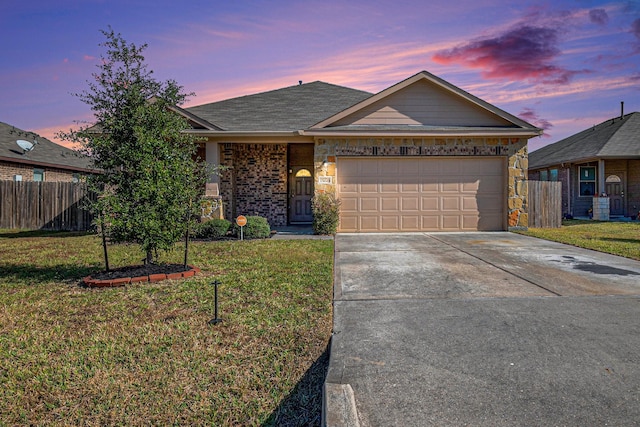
[138, 274]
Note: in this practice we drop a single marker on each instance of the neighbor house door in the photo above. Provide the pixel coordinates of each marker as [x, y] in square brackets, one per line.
[615, 191]
[301, 192]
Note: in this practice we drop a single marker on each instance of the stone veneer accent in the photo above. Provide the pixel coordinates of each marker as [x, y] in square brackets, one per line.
[515, 149]
[256, 181]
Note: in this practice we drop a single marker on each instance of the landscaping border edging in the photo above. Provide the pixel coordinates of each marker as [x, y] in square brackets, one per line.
[123, 281]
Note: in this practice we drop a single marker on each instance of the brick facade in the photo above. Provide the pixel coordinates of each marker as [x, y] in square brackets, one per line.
[513, 149]
[8, 170]
[255, 182]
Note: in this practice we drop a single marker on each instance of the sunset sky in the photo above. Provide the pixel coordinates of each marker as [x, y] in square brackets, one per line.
[563, 65]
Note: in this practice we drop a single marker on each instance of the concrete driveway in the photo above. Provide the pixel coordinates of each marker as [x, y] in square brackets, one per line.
[482, 329]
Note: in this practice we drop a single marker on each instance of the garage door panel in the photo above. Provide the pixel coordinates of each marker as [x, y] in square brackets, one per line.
[368, 204]
[349, 222]
[428, 194]
[410, 223]
[390, 223]
[348, 188]
[409, 187]
[451, 222]
[431, 203]
[430, 222]
[430, 187]
[369, 223]
[368, 188]
[409, 204]
[470, 186]
[389, 188]
[450, 203]
[349, 204]
[390, 204]
[453, 187]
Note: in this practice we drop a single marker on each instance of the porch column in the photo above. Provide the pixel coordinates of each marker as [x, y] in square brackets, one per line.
[213, 158]
[601, 177]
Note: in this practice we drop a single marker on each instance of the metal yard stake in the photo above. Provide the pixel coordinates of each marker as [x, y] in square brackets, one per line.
[216, 319]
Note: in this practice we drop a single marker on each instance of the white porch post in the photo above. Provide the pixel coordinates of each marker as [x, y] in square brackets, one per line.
[601, 177]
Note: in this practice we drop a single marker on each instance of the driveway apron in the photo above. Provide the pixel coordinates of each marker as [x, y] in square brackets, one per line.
[493, 329]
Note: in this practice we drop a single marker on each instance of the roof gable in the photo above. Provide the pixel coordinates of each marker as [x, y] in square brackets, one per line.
[613, 138]
[425, 100]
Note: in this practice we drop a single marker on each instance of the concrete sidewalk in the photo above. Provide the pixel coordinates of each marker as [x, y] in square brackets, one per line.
[492, 329]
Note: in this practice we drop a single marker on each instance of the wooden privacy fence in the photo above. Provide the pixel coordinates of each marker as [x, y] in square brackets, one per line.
[44, 205]
[545, 204]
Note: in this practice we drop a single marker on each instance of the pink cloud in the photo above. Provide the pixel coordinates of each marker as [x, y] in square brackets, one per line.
[520, 53]
[531, 116]
[88, 58]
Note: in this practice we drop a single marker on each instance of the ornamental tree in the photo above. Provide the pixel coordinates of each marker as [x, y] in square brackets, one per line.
[150, 184]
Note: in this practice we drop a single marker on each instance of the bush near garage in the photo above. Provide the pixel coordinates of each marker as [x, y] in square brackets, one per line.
[213, 229]
[326, 213]
[257, 228]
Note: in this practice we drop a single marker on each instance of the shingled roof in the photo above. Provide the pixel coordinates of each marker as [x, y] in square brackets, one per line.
[46, 153]
[283, 110]
[613, 139]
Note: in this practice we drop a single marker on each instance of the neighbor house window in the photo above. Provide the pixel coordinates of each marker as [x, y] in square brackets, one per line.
[38, 174]
[544, 175]
[553, 174]
[587, 180]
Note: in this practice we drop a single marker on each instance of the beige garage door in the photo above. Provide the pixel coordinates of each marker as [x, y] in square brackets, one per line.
[421, 194]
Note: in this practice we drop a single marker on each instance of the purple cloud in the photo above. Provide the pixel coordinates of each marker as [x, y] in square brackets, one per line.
[599, 16]
[523, 52]
[530, 115]
[635, 28]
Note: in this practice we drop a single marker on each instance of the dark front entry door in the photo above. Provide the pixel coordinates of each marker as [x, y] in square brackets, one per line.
[616, 196]
[301, 192]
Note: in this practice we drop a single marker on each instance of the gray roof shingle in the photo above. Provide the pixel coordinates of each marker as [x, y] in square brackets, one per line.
[46, 153]
[288, 109]
[614, 138]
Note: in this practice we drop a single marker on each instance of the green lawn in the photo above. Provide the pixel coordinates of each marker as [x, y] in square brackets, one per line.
[144, 354]
[618, 238]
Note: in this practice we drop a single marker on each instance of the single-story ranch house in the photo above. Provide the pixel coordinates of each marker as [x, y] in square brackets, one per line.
[422, 155]
[47, 161]
[601, 159]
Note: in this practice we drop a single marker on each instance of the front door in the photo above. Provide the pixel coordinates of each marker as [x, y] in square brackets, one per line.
[300, 194]
[615, 192]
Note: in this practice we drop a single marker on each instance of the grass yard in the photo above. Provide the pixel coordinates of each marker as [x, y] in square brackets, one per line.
[144, 354]
[618, 238]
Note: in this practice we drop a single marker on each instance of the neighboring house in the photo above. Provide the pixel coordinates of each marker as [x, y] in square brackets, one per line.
[601, 159]
[47, 161]
[422, 155]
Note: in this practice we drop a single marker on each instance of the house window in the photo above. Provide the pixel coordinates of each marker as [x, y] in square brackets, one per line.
[553, 174]
[38, 174]
[544, 175]
[587, 180]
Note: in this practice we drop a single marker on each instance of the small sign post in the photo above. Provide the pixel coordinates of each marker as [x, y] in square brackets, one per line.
[241, 221]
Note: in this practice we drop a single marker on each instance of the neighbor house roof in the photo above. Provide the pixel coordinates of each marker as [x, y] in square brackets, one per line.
[613, 139]
[45, 153]
[283, 110]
